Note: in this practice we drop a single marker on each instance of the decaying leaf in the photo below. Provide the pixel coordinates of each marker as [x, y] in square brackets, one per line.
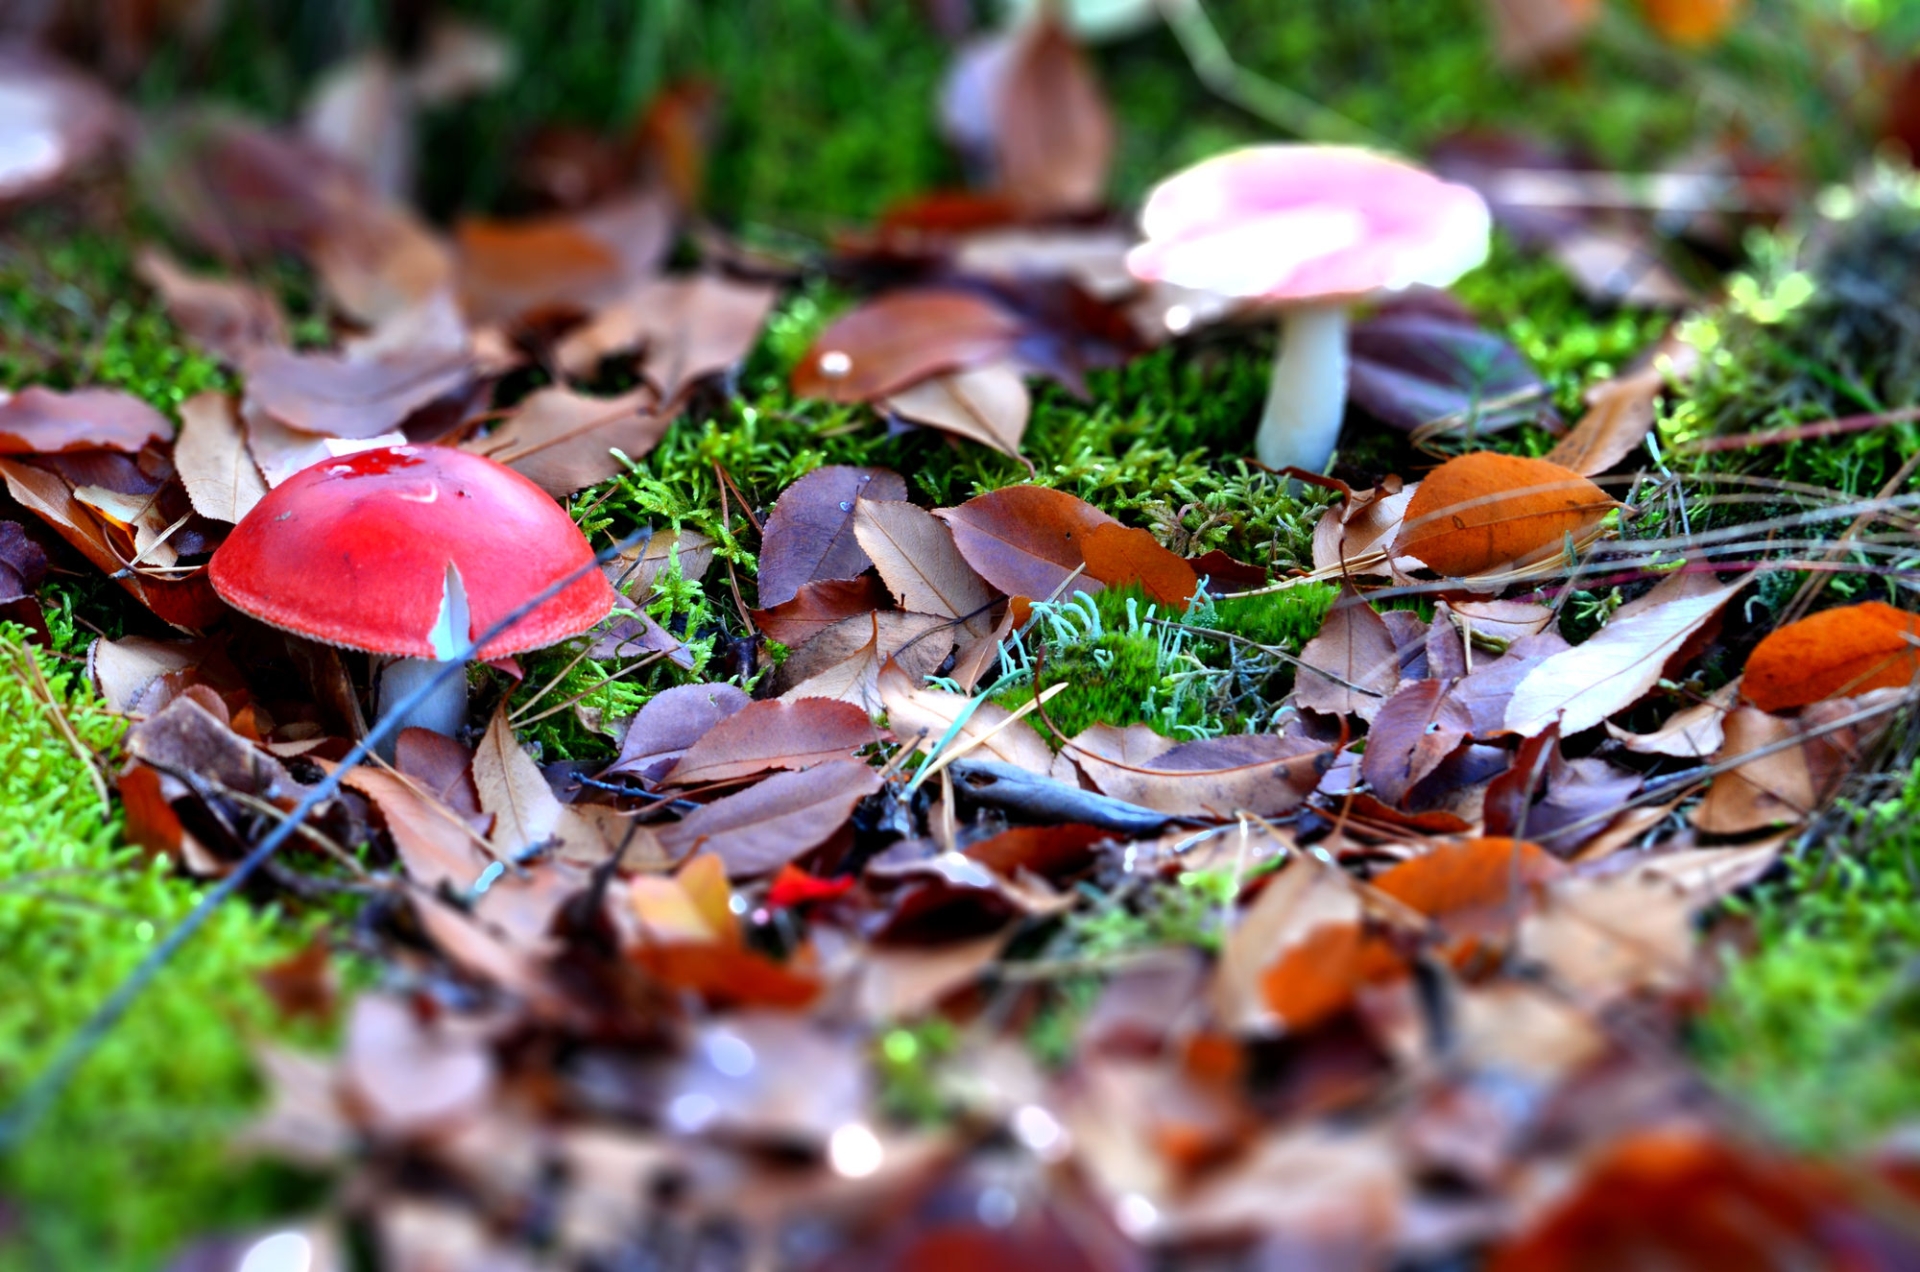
[844, 661]
[915, 555]
[213, 460]
[1352, 665]
[564, 441]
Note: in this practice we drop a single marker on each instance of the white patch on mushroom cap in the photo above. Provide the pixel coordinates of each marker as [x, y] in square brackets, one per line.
[452, 626]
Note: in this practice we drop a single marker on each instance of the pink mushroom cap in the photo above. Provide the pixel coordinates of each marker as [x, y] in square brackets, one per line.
[354, 551]
[1306, 223]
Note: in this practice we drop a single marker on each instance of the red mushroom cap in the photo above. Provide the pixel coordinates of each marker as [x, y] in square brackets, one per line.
[356, 551]
[1303, 223]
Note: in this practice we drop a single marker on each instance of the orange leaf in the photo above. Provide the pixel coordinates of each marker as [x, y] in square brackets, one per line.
[1026, 540]
[1118, 555]
[1470, 889]
[1692, 23]
[1485, 510]
[1838, 651]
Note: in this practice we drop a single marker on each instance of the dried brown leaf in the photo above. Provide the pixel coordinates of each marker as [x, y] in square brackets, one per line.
[1026, 540]
[213, 460]
[760, 829]
[809, 536]
[774, 735]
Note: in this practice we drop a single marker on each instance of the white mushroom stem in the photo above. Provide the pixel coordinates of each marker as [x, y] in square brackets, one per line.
[1308, 396]
[444, 710]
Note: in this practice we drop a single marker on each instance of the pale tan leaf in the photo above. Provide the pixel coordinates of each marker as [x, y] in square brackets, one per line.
[1352, 666]
[915, 712]
[215, 465]
[434, 841]
[915, 554]
[988, 404]
[1613, 670]
[844, 661]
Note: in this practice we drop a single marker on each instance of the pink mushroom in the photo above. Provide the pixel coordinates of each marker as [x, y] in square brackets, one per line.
[1311, 230]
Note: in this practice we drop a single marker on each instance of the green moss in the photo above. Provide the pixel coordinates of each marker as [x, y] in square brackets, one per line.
[75, 316]
[131, 1160]
[1819, 1028]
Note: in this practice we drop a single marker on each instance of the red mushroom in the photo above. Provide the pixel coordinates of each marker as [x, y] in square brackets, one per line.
[410, 552]
[1310, 229]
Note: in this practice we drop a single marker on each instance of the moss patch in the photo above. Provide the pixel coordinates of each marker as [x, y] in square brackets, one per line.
[1819, 1027]
[132, 1159]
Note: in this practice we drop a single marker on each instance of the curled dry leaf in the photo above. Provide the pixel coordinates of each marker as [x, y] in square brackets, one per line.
[37, 421]
[1482, 511]
[1026, 540]
[1691, 733]
[810, 536]
[1784, 784]
[760, 829]
[564, 441]
[1352, 537]
[1844, 651]
[213, 461]
[187, 603]
[1619, 416]
[896, 341]
[1352, 665]
[818, 606]
[987, 404]
[774, 735]
[1614, 669]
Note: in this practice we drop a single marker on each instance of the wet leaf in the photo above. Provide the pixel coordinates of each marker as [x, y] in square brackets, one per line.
[809, 536]
[37, 421]
[1845, 651]
[1485, 510]
[1026, 540]
[767, 825]
[773, 735]
[898, 340]
[213, 461]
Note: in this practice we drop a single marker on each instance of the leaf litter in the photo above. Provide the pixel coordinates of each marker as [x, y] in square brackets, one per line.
[1395, 978]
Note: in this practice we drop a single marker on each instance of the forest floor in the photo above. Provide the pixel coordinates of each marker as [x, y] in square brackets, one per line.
[1795, 1016]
